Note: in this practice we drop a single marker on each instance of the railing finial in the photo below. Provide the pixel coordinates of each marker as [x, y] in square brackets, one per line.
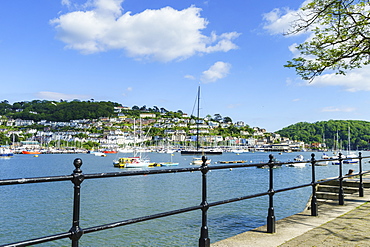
[77, 163]
[271, 157]
[204, 159]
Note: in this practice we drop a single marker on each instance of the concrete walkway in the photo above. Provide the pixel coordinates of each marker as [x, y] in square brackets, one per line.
[336, 225]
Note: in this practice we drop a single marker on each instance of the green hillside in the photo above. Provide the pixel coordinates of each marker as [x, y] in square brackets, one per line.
[327, 132]
[57, 110]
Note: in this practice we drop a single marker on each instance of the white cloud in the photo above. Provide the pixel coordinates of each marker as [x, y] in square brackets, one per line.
[279, 20]
[58, 96]
[159, 34]
[233, 106]
[129, 89]
[353, 81]
[337, 109]
[66, 3]
[217, 71]
[190, 77]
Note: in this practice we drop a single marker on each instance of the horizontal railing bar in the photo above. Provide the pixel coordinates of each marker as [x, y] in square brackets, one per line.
[292, 188]
[144, 172]
[357, 174]
[39, 240]
[336, 178]
[163, 171]
[141, 172]
[326, 180]
[140, 219]
[35, 180]
[317, 161]
[112, 174]
[217, 203]
[238, 165]
[212, 204]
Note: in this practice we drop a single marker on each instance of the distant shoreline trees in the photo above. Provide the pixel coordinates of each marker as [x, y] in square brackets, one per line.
[332, 133]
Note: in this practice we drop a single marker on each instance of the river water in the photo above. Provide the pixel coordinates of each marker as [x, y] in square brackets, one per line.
[36, 210]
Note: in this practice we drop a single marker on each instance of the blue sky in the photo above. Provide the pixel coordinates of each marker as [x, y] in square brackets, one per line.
[156, 53]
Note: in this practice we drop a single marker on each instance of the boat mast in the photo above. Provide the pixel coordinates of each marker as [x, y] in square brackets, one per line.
[337, 148]
[198, 118]
[134, 149]
[349, 140]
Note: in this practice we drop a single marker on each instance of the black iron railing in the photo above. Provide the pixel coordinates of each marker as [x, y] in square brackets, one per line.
[77, 177]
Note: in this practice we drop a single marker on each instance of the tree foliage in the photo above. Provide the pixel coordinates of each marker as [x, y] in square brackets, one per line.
[331, 132]
[4, 140]
[57, 111]
[227, 120]
[232, 131]
[217, 117]
[341, 37]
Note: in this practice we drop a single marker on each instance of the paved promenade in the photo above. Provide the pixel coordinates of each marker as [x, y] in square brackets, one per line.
[336, 225]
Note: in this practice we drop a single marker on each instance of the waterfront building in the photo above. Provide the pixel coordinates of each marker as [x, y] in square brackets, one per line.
[30, 144]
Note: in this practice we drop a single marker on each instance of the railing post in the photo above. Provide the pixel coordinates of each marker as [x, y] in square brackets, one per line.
[341, 192]
[204, 240]
[314, 210]
[361, 185]
[271, 215]
[77, 179]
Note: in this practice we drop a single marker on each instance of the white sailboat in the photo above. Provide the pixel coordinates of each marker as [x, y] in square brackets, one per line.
[335, 148]
[300, 164]
[198, 161]
[351, 156]
[136, 161]
[5, 152]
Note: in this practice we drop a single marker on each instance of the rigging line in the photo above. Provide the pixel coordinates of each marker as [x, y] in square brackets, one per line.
[195, 103]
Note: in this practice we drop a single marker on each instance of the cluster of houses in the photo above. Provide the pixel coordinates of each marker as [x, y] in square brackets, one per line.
[123, 131]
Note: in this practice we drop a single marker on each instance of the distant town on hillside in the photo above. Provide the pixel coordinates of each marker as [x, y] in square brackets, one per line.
[108, 125]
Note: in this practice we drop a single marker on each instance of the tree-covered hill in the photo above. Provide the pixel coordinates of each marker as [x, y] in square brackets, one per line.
[62, 111]
[57, 111]
[327, 132]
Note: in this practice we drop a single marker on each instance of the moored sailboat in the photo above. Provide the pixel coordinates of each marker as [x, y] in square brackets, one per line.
[351, 157]
[31, 152]
[200, 150]
[5, 152]
[135, 161]
[198, 161]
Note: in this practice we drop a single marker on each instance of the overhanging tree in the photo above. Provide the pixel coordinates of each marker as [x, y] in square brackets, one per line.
[341, 37]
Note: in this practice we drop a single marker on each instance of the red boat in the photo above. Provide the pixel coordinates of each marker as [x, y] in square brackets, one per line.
[30, 152]
[110, 152]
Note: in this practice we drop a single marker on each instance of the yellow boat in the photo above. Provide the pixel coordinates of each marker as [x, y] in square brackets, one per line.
[133, 162]
[154, 165]
[121, 162]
